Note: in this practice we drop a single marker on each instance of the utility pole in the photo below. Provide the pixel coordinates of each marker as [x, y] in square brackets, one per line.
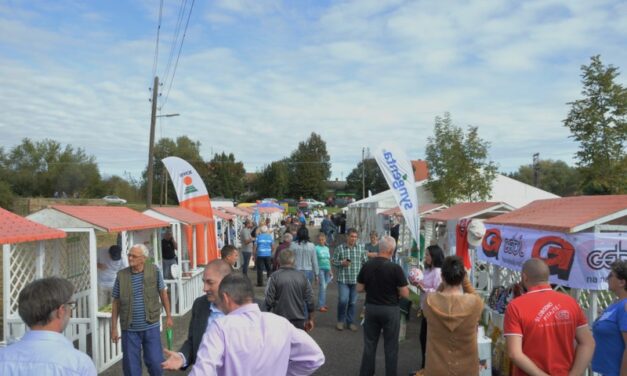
[153, 121]
[536, 169]
[363, 173]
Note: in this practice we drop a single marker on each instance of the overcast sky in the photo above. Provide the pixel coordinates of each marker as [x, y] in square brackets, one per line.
[255, 77]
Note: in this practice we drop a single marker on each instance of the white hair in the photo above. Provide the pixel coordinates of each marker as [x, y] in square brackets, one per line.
[264, 229]
[387, 244]
[144, 249]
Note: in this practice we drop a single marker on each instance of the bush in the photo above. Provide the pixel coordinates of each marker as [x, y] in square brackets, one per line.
[6, 196]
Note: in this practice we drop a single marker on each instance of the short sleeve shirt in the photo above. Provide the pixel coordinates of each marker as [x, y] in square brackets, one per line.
[608, 334]
[382, 278]
[547, 322]
[138, 321]
[264, 245]
[245, 236]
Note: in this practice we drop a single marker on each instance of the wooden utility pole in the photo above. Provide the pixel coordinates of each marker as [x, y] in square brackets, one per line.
[153, 121]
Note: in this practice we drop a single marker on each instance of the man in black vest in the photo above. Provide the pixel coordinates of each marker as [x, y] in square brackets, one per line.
[136, 294]
[204, 313]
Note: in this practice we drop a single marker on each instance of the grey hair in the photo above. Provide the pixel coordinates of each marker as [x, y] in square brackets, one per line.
[238, 288]
[40, 298]
[287, 237]
[287, 257]
[144, 249]
[264, 229]
[387, 244]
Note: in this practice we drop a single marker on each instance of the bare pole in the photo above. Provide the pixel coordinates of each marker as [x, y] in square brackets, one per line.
[363, 173]
[153, 121]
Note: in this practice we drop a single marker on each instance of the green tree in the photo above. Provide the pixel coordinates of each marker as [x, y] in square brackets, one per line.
[309, 168]
[45, 167]
[273, 181]
[599, 123]
[183, 148]
[128, 189]
[225, 176]
[553, 176]
[459, 169]
[373, 178]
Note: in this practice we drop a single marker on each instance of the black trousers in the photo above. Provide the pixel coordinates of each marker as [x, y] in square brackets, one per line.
[423, 338]
[381, 318]
[260, 264]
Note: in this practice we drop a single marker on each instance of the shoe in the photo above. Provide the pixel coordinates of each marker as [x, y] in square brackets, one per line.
[339, 326]
[353, 327]
[323, 309]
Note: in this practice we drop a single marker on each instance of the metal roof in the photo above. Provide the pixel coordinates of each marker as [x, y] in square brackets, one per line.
[111, 218]
[466, 210]
[182, 215]
[567, 214]
[16, 229]
[424, 209]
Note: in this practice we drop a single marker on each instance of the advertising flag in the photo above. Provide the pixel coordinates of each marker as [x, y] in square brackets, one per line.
[192, 194]
[399, 175]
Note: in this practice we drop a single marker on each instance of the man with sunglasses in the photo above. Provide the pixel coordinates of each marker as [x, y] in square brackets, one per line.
[45, 306]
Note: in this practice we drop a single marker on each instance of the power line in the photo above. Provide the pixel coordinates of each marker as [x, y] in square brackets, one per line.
[156, 58]
[177, 30]
[179, 54]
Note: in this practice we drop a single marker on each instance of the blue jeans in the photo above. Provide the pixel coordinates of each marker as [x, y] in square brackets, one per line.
[324, 277]
[346, 302]
[132, 344]
[245, 262]
[310, 276]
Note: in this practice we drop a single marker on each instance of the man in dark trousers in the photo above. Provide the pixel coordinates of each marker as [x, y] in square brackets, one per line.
[168, 254]
[204, 313]
[384, 282]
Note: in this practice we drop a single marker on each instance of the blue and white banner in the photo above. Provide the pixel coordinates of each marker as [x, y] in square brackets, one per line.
[580, 260]
[399, 175]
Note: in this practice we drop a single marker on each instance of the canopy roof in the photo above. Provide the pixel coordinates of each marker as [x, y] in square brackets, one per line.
[236, 211]
[568, 214]
[467, 209]
[424, 209]
[15, 229]
[182, 215]
[111, 218]
[220, 214]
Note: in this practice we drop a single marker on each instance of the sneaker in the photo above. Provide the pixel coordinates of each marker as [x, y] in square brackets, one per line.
[339, 326]
[323, 309]
[353, 327]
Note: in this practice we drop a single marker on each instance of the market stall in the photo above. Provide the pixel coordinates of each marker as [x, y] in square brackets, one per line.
[79, 258]
[187, 283]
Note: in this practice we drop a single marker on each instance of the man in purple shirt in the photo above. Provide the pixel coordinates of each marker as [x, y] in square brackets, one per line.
[250, 342]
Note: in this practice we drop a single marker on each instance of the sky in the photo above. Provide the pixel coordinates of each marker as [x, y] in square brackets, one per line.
[256, 77]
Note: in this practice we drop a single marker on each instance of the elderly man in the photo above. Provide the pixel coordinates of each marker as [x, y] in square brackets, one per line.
[230, 254]
[46, 306]
[542, 327]
[250, 342]
[348, 259]
[136, 294]
[384, 282]
[289, 293]
[204, 314]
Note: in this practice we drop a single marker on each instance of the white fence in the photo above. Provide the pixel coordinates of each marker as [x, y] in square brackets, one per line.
[184, 291]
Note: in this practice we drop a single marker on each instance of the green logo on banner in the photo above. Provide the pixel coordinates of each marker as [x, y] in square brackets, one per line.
[190, 189]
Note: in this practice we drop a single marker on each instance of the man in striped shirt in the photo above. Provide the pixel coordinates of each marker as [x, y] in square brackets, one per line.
[136, 294]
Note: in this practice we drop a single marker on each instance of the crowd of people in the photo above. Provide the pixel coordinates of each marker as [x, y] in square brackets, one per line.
[233, 332]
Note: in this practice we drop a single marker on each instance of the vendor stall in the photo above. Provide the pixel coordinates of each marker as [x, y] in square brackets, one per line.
[78, 258]
[186, 284]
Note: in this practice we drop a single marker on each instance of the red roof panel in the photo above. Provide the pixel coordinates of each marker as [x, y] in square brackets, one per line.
[15, 229]
[563, 214]
[236, 211]
[220, 214]
[111, 218]
[184, 215]
[463, 210]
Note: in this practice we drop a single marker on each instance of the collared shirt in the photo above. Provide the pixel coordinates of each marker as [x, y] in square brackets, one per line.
[358, 257]
[138, 322]
[250, 342]
[214, 313]
[44, 353]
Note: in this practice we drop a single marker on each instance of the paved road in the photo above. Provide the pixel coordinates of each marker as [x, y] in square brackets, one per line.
[342, 349]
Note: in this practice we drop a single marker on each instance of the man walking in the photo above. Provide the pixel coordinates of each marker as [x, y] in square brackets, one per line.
[348, 259]
[383, 281]
[289, 293]
[328, 228]
[45, 306]
[204, 314]
[247, 245]
[250, 342]
[136, 295]
[542, 326]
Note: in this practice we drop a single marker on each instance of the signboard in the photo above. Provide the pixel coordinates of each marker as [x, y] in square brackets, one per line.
[580, 260]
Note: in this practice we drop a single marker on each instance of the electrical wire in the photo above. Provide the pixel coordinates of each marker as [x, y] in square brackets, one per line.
[156, 58]
[179, 54]
[177, 30]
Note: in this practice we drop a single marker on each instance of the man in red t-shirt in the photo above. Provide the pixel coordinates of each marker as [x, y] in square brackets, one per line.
[542, 326]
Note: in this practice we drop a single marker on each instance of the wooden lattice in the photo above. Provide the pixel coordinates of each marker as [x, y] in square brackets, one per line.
[23, 270]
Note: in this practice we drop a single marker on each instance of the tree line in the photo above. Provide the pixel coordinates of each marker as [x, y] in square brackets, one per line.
[458, 161]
